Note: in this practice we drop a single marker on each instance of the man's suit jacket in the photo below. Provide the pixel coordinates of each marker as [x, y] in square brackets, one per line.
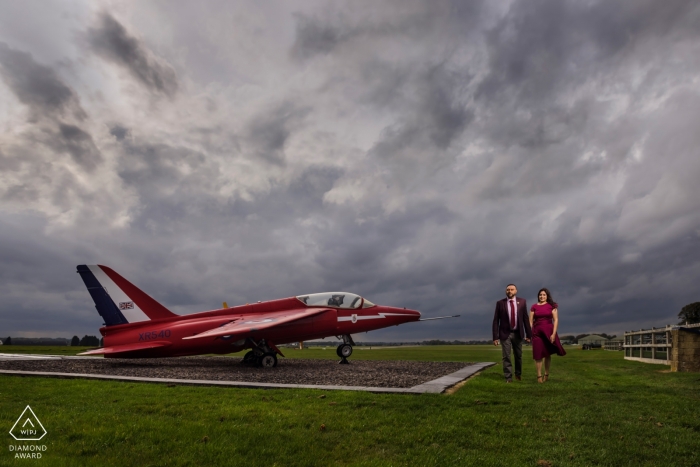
[501, 319]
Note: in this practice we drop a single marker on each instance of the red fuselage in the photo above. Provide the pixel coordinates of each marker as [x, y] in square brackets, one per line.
[332, 322]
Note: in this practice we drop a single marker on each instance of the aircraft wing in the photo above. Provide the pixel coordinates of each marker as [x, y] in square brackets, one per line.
[258, 322]
[126, 348]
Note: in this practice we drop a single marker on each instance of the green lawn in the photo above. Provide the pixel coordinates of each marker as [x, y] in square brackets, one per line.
[597, 409]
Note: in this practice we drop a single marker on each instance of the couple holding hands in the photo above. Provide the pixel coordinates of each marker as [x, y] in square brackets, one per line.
[511, 325]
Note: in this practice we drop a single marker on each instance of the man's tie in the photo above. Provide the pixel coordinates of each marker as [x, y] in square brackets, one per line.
[512, 314]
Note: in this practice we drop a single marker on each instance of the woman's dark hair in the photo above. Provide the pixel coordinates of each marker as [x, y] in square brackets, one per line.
[550, 300]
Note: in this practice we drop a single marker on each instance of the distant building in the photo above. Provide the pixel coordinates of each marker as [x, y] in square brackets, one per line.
[593, 339]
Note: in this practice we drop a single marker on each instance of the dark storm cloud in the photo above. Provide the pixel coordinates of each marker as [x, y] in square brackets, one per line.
[420, 153]
[79, 144]
[53, 105]
[540, 104]
[353, 249]
[313, 38]
[112, 41]
[178, 186]
[34, 261]
[310, 187]
[445, 117]
[26, 253]
[539, 48]
[119, 132]
[36, 85]
[426, 97]
[268, 133]
[594, 271]
[154, 169]
[432, 119]
[413, 20]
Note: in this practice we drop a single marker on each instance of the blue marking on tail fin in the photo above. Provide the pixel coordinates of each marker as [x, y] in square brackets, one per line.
[103, 302]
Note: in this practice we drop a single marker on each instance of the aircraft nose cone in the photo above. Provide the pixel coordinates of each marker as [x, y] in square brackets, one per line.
[404, 314]
[412, 313]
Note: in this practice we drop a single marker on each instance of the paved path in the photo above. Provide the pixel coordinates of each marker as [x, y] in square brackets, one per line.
[436, 386]
[31, 356]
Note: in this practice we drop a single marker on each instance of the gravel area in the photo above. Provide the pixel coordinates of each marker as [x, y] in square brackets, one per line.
[374, 373]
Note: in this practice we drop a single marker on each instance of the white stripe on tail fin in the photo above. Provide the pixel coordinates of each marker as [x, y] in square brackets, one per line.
[122, 297]
[131, 311]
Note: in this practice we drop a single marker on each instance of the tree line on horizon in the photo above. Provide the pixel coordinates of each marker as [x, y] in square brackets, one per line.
[86, 341]
[690, 314]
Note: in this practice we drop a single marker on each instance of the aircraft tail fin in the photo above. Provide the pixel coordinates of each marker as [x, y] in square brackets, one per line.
[117, 300]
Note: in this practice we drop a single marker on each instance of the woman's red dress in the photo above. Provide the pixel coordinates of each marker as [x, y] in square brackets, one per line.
[542, 328]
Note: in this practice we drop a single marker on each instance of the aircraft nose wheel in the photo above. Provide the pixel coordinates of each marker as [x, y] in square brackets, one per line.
[344, 351]
[269, 360]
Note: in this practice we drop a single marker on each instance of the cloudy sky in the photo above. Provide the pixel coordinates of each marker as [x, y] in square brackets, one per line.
[419, 153]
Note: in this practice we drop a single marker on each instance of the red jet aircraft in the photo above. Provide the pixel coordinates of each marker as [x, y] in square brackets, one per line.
[137, 326]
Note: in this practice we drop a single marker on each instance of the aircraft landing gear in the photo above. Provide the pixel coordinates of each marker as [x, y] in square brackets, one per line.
[263, 355]
[269, 360]
[249, 358]
[344, 350]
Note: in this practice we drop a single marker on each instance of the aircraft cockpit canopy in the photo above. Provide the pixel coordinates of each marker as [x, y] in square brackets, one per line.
[335, 299]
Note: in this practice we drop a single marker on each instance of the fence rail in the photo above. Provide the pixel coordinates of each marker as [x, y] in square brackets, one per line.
[614, 345]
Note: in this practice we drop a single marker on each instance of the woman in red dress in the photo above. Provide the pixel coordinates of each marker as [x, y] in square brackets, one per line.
[544, 321]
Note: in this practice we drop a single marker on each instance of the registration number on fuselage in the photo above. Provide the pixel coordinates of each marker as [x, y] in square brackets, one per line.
[152, 335]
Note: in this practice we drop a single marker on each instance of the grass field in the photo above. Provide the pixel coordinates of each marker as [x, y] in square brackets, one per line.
[597, 409]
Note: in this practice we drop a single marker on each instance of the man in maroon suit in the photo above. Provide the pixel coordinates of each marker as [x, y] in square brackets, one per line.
[510, 326]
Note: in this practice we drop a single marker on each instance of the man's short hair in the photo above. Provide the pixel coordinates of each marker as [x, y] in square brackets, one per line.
[512, 285]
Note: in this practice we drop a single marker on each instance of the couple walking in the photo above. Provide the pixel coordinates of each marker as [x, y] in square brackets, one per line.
[511, 325]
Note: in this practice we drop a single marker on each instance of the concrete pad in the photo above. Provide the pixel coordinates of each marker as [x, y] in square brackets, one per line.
[16, 356]
[439, 385]
[436, 386]
[30, 356]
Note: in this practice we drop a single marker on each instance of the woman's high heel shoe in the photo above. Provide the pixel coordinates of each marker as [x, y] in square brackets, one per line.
[540, 380]
[545, 377]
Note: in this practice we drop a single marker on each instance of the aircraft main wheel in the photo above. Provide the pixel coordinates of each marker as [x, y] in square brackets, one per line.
[249, 358]
[269, 360]
[337, 350]
[345, 350]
